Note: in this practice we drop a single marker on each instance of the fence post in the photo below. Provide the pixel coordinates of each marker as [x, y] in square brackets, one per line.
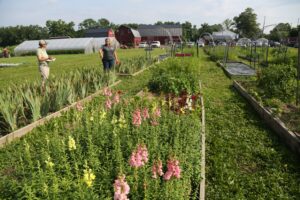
[298, 72]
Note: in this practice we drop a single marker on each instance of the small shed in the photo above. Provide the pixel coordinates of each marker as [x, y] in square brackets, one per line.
[69, 45]
[163, 33]
[128, 36]
[224, 35]
[99, 32]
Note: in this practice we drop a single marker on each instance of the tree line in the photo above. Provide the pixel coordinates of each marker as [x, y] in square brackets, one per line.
[245, 24]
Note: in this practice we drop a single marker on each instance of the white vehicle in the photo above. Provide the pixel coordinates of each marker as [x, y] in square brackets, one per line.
[201, 43]
[190, 44]
[143, 45]
[155, 44]
[241, 44]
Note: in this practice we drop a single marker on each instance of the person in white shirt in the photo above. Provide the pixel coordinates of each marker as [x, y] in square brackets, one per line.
[43, 60]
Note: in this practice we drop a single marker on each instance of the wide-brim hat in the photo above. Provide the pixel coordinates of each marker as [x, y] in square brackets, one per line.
[42, 42]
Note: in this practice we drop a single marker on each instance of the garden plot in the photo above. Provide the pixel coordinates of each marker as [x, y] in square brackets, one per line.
[114, 146]
[239, 69]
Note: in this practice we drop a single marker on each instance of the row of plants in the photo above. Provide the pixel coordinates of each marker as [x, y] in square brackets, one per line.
[27, 102]
[217, 53]
[113, 147]
[131, 65]
[275, 88]
[244, 159]
[175, 76]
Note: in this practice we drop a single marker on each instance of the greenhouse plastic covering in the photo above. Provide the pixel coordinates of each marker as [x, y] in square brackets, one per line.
[87, 45]
[224, 35]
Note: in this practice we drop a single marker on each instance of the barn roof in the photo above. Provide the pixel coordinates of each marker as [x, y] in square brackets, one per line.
[97, 32]
[160, 30]
[135, 33]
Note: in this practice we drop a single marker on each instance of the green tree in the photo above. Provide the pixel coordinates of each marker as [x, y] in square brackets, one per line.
[280, 31]
[60, 28]
[246, 23]
[88, 24]
[187, 31]
[206, 28]
[228, 24]
[15, 35]
[294, 31]
[104, 23]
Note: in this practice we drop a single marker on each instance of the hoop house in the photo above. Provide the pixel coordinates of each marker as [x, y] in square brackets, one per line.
[262, 42]
[243, 42]
[225, 35]
[69, 45]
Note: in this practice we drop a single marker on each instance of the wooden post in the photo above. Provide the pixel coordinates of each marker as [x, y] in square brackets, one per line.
[298, 72]
[267, 56]
[197, 49]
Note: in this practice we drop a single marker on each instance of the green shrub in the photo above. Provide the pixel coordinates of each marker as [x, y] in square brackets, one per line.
[175, 76]
[278, 81]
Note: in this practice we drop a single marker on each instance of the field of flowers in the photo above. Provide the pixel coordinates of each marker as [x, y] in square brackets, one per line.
[115, 146]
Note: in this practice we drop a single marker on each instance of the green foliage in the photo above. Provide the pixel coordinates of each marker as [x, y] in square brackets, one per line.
[246, 23]
[278, 81]
[15, 35]
[60, 28]
[47, 168]
[175, 76]
[28, 103]
[132, 65]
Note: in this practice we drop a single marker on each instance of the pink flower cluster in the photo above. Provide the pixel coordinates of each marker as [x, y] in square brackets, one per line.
[157, 112]
[157, 169]
[173, 169]
[121, 188]
[115, 100]
[108, 104]
[139, 157]
[107, 92]
[79, 107]
[146, 113]
[137, 118]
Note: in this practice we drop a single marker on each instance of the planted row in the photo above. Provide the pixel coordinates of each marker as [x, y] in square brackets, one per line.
[26, 103]
[135, 64]
[114, 147]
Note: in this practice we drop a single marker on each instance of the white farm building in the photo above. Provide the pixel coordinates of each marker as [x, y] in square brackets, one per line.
[66, 45]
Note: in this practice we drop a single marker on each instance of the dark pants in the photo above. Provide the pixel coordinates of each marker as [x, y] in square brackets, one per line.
[108, 64]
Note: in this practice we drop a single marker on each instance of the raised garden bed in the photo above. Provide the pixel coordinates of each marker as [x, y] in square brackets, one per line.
[289, 137]
[238, 69]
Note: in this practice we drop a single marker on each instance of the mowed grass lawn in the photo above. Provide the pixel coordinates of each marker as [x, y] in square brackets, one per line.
[63, 64]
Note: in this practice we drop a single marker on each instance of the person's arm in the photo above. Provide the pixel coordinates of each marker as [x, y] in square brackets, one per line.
[116, 57]
[101, 53]
[42, 58]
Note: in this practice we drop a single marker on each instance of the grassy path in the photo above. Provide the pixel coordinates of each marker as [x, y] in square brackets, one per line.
[245, 160]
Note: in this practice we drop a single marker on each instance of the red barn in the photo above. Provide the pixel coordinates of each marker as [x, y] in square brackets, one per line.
[128, 36]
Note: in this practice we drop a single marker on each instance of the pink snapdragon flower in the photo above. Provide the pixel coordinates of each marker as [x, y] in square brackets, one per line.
[107, 92]
[139, 157]
[154, 122]
[145, 113]
[121, 188]
[157, 169]
[157, 112]
[108, 104]
[173, 169]
[116, 99]
[136, 118]
[79, 107]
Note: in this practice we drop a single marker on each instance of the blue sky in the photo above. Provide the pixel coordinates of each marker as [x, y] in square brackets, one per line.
[25, 12]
